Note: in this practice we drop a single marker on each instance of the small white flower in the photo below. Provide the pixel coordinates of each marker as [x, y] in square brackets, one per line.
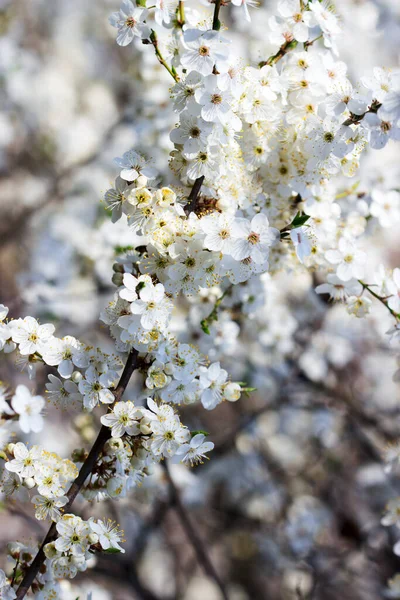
[204, 49]
[133, 165]
[253, 239]
[123, 419]
[385, 206]
[129, 21]
[167, 436]
[392, 515]
[324, 16]
[29, 409]
[46, 507]
[212, 380]
[49, 482]
[94, 389]
[73, 535]
[218, 230]
[359, 306]
[379, 130]
[64, 353]
[25, 461]
[215, 103]
[339, 289]
[349, 260]
[195, 451]
[30, 336]
[153, 306]
[63, 393]
[6, 343]
[108, 533]
[6, 591]
[192, 132]
[116, 197]
[297, 19]
[178, 392]
[301, 242]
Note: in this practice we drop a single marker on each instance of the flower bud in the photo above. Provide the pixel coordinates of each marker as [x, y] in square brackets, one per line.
[145, 429]
[29, 483]
[10, 448]
[113, 445]
[50, 550]
[79, 455]
[117, 279]
[136, 463]
[141, 181]
[232, 392]
[141, 453]
[118, 268]
[93, 538]
[76, 376]
[116, 486]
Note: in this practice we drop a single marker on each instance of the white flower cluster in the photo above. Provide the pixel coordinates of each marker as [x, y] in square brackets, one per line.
[256, 153]
[44, 471]
[140, 438]
[76, 538]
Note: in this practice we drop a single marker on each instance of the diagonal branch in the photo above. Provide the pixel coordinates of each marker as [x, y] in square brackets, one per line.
[192, 535]
[194, 194]
[84, 472]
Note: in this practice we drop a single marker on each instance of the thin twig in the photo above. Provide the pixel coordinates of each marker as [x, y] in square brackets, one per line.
[84, 472]
[16, 225]
[160, 58]
[378, 297]
[194, 194]
[192, 198]
[192, 535]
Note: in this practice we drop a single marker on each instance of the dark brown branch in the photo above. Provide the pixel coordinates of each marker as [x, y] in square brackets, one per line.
[84, 472]
[192, 535]
[194, 194]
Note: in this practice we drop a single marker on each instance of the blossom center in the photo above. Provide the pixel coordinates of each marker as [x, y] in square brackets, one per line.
[216, 99]
[130, 22]
[329, 137]
[195, 132]
[204, 51]
[253, 238]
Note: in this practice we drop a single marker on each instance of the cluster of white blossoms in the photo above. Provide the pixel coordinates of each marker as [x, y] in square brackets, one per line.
[48, 475]
[256, 151]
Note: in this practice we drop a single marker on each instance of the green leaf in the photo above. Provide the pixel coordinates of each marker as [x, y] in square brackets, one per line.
[299, 220]
[112, 551]
[122, 249]
[204, 326]
[197, 431]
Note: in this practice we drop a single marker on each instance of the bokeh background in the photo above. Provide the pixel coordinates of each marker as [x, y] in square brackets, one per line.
[289, 506]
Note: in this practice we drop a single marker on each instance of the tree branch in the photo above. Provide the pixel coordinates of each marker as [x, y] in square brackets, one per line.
[86, 469]
[192, 535]
[194, 194]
